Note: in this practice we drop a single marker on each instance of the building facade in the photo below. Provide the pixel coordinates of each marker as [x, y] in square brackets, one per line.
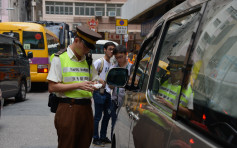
[15, 10]
[146, 13]
[99, 15]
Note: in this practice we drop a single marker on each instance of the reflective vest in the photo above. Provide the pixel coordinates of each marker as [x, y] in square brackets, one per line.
[169, 93]
[75, 72]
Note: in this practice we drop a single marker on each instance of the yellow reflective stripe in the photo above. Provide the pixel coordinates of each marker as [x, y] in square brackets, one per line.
[86, 38]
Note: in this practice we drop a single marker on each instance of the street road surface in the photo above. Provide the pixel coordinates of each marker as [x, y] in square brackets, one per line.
[30, 124]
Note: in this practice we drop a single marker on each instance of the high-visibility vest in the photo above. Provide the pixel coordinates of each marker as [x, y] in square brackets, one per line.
[51, 57]
[169, 93]
[75, 72]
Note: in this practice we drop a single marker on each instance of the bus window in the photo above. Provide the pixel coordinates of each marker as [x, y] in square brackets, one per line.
[53, 44]
[33, 40]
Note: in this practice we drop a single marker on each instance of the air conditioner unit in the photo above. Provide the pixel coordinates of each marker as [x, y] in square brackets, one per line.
[112, 13]
[98, 13]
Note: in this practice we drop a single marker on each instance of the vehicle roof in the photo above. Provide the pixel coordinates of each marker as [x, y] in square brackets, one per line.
[20, 26]
[174, 11]
[6, 39]
[102, 42]
[14, 26]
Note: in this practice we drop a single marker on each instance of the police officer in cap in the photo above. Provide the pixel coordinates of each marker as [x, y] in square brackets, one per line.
[72, 80]
[170, 89]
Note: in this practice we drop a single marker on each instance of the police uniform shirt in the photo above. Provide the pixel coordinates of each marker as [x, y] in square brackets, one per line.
[55, 73]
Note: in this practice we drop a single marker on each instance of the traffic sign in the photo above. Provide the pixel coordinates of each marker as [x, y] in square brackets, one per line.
[121, 26]
[121, 22]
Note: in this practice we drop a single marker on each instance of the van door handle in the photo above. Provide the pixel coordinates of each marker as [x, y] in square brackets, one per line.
[134, 116]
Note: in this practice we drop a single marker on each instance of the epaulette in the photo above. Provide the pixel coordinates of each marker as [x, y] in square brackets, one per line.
[60, 52]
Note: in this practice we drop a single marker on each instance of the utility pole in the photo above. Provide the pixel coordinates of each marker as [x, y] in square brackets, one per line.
[33, 3]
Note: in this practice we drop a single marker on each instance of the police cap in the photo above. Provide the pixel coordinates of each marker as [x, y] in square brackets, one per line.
[88, 36]
[178, 62]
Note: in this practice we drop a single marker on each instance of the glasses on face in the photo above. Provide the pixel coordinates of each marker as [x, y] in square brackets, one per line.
[110, 49]
[84, 44]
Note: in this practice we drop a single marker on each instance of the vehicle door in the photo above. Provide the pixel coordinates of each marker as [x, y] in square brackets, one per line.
[178, 103]
[155, 120]
[22, 62]
[8, 70]
[143, 128]
[213, 81]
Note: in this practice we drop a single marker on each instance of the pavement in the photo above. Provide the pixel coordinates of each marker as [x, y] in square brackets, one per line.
[108, 132]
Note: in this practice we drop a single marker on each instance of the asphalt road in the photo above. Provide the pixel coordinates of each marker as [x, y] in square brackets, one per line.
[30, 124]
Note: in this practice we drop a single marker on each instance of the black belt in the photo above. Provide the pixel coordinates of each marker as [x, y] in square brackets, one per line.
[75, 101]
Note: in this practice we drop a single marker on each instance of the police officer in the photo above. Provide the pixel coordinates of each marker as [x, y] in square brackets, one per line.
[72, 80]
[170, 89]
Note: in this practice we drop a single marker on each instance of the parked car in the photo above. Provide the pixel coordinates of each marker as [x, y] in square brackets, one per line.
[14, 68]
[204, 33]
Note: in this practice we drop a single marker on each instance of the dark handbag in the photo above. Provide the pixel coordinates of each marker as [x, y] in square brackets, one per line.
[53, 102]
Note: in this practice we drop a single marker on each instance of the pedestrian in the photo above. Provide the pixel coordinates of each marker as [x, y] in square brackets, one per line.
[102, 97]
[120, 53]
[71, 79]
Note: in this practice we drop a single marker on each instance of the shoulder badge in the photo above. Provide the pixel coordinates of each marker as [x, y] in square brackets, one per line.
[60, 52]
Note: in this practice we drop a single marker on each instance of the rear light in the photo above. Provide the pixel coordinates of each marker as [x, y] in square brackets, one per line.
[140, 105]
[191, 141]
[204, 117]
[42, 68]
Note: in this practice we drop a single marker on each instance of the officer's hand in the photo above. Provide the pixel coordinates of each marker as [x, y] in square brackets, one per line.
[87, 85]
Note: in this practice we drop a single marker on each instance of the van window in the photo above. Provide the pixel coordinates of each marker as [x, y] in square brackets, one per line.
[33, 40]
[12, 34]
[6, 50]
[19, 51]
[168, 73]
[214, 73]
[144, 64]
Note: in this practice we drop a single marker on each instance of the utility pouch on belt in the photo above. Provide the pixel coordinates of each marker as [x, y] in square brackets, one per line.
[53, 102]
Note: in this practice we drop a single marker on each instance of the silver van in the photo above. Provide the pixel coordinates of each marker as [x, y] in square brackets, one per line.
[182, 89]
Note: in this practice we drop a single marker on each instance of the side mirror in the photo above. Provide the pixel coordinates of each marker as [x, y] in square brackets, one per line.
[117, 77]
[29, 54]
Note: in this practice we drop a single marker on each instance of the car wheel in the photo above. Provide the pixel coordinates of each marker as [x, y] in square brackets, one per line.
[21, 95]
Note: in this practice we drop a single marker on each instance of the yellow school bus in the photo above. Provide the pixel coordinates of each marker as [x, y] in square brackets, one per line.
[37, 39]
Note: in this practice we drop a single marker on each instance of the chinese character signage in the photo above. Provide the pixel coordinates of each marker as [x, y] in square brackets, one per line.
[121, 26]
[92, 23]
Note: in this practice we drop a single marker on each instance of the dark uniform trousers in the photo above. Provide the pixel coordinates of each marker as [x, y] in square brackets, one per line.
[74, 125]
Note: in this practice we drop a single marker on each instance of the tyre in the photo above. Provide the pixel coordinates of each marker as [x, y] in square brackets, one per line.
[21, 95]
